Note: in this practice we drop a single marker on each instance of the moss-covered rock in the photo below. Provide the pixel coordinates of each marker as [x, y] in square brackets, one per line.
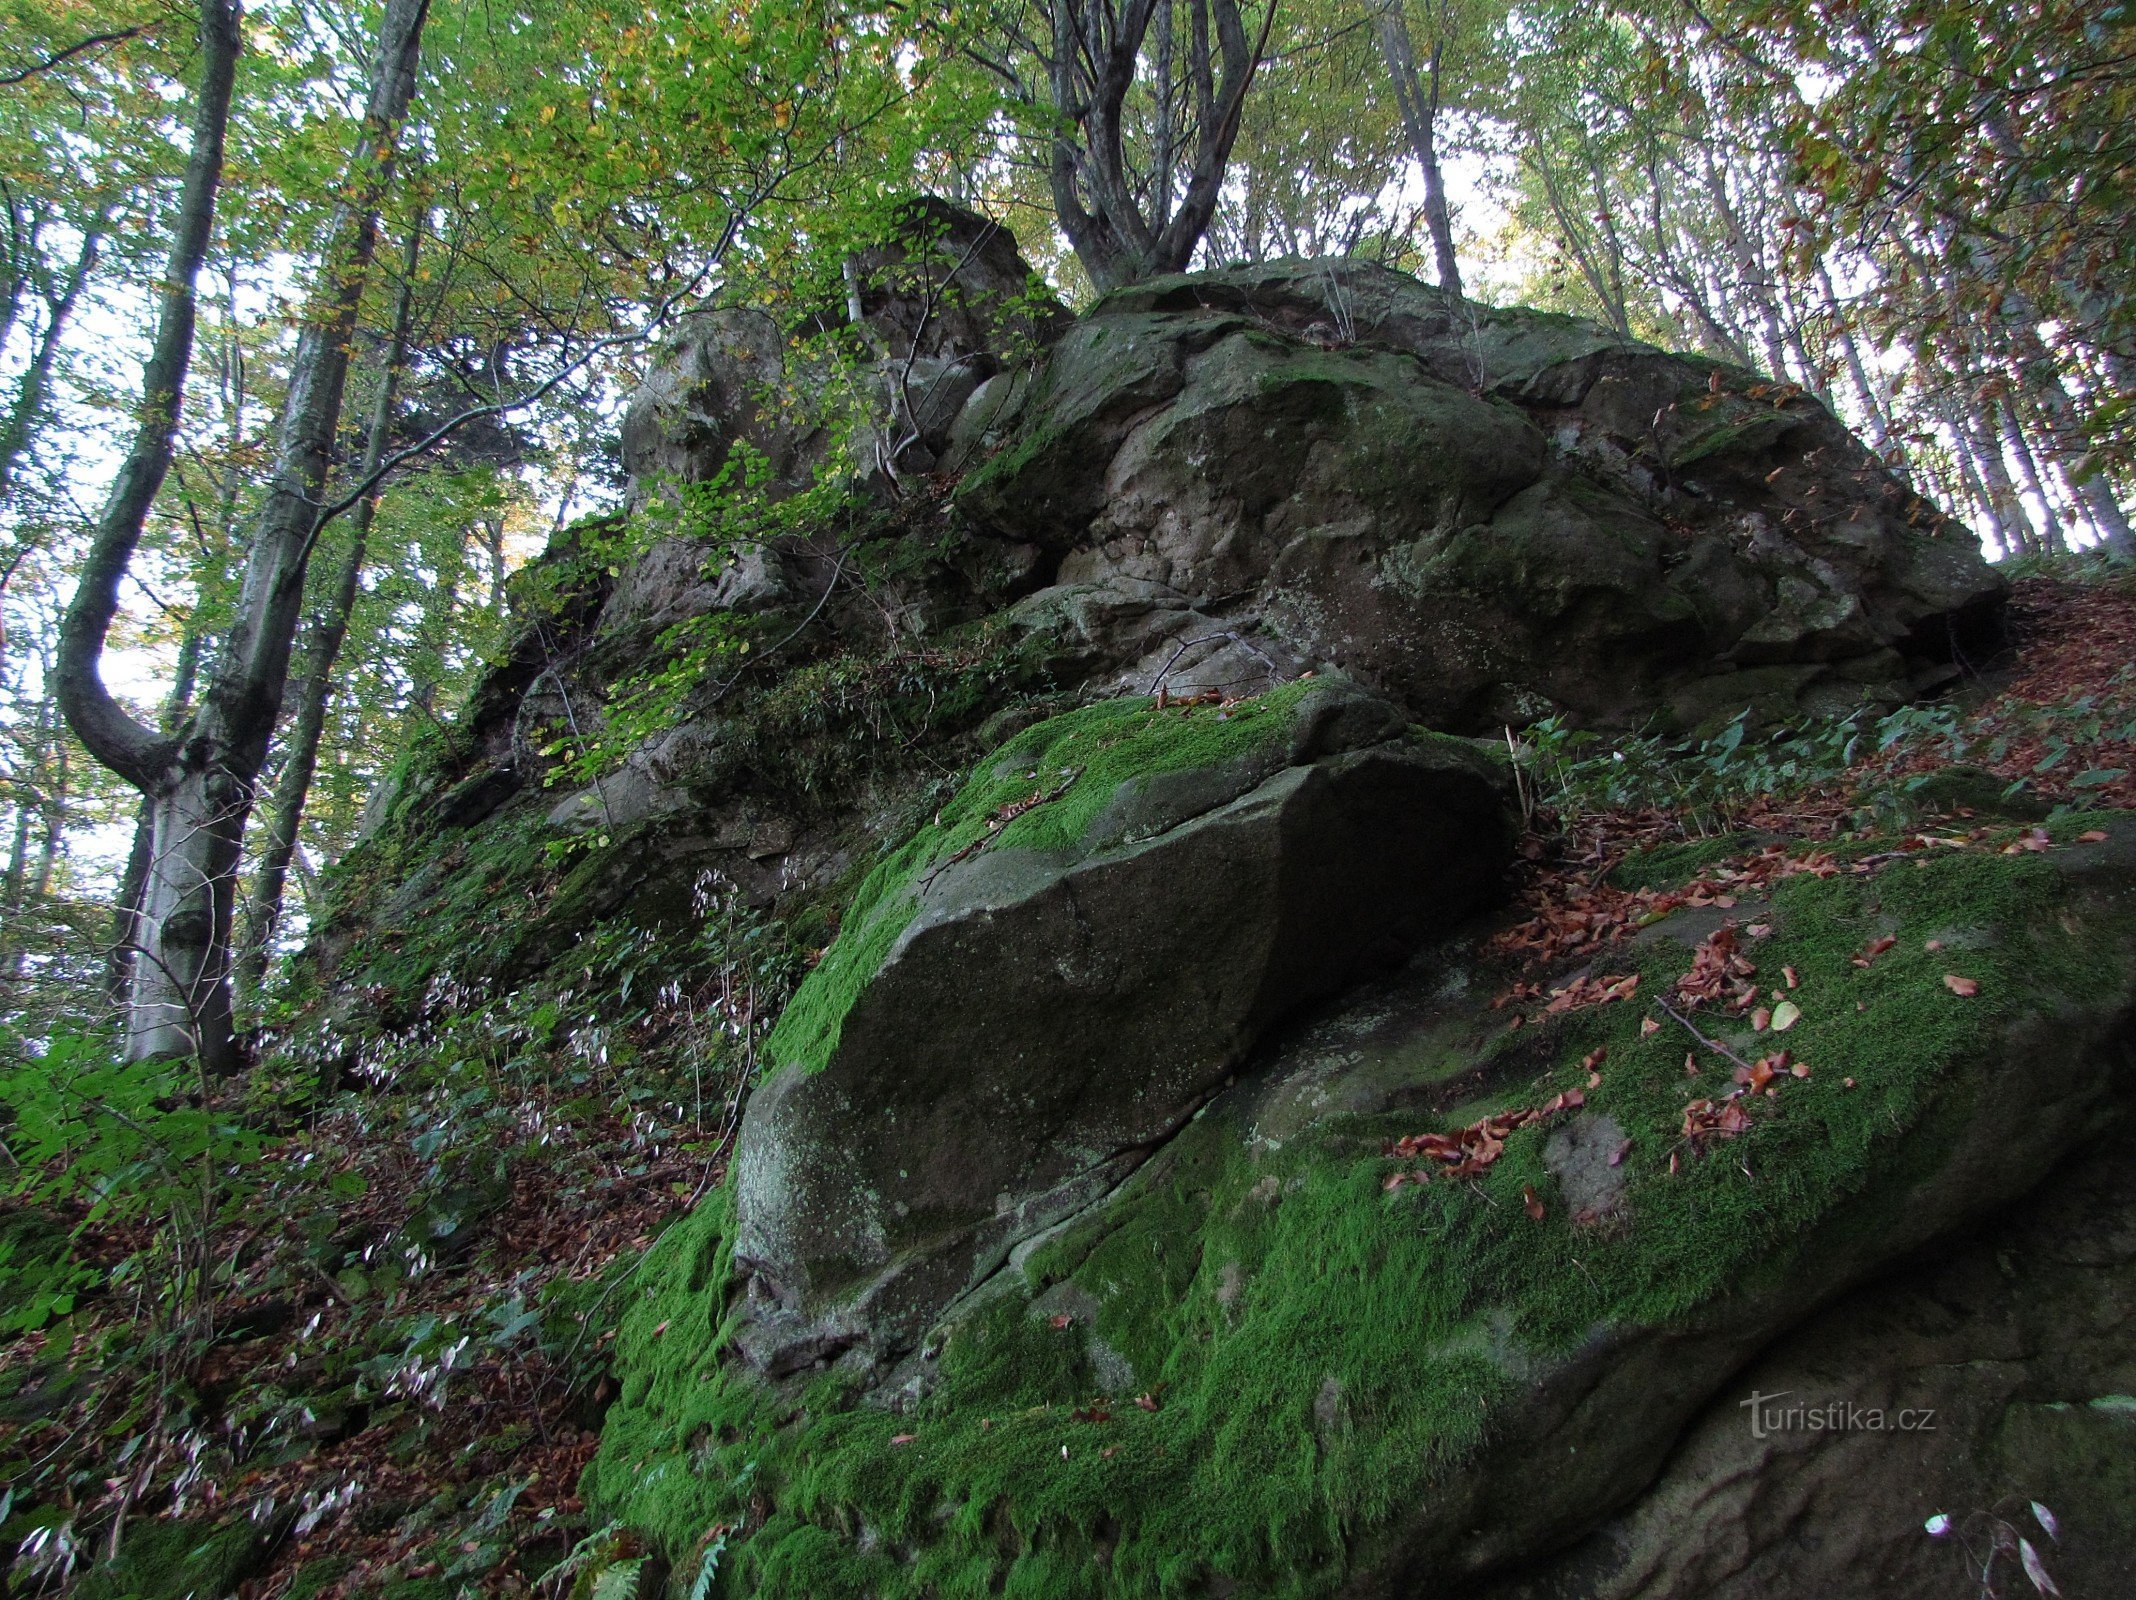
[1488, 513]
[1047, 980]
[1252, 1369]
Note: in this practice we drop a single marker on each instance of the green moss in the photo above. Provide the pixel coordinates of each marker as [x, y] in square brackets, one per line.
[174, 1561]
[1667, 864]
[1321, 1353]
[1073, 765]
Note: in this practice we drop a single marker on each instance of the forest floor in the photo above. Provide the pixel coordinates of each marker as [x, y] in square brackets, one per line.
[412, 1423]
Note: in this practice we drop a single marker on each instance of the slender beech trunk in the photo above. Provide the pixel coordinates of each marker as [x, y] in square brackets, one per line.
[1850, 356]
[200, 783]
[110, 734]
[293, 784]
[30, 799]
[2028, 468]
[20, 424]
[2065, 431]
[1418, 94]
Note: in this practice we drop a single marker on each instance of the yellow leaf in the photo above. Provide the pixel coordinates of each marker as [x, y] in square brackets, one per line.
[1785, 1015]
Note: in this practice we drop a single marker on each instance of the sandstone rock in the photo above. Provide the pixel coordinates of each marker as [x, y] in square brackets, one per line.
[1490, 515]
[1007, 1024]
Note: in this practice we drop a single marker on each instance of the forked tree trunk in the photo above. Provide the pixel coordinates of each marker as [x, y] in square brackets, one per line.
[199, 784]
[1095, 61]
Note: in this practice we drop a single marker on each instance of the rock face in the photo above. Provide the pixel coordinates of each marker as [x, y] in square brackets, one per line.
[2001, 1374]
[942, 309]
[1489, 515]
[1249, 1367]
[1010, 1022]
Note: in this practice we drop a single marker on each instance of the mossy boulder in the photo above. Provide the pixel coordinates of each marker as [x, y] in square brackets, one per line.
[1045, 983]
[1251, 1368]
[1488, 514]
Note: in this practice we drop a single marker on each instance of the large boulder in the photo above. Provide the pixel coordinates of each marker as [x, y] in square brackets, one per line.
[1489, 514]
[1268, 1362]
[1040, 988]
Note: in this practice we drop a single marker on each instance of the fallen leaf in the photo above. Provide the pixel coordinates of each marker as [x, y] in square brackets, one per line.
[1090, 1414]
[1147, 1402]
[1847, 1082]
[1785, 1015]
[1937, 1526]
[1933, 945]
[1528, 1200]
[1107, 1453]
[1616, 1156]
[1649, 1026]
[2035, 1568]
[2092, 836]
[903, 1438]
[1594, 1080]
[1800, 1069]
[2046, 1519]
[1060, 1319]
[1964, 988]
[1794, 980]
[1760, 1020]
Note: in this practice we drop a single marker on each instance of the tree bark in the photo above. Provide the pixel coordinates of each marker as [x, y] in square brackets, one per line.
[270, 877]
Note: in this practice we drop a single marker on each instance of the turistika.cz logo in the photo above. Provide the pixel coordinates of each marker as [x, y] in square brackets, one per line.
[1769, 1416]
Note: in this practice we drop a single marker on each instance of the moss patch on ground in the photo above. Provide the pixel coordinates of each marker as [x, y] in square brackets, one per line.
[1319, 1352]
[1061, 773]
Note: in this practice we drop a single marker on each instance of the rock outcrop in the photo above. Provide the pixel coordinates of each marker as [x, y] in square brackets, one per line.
[1489, 515]
[1063, 1253]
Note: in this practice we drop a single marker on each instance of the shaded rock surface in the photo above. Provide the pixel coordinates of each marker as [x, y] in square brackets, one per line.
[1970, 1387]
[1488, 514]
[1031, 1012]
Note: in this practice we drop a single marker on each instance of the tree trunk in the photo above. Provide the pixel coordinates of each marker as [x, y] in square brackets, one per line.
[126, 908]
[2029, 469]
[36, 380]
[1873, 418]
[293, 784]
[200, 784]
[1418, 97]
[178, 996]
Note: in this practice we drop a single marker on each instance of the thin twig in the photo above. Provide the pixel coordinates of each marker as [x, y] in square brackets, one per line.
[1711, 1044]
